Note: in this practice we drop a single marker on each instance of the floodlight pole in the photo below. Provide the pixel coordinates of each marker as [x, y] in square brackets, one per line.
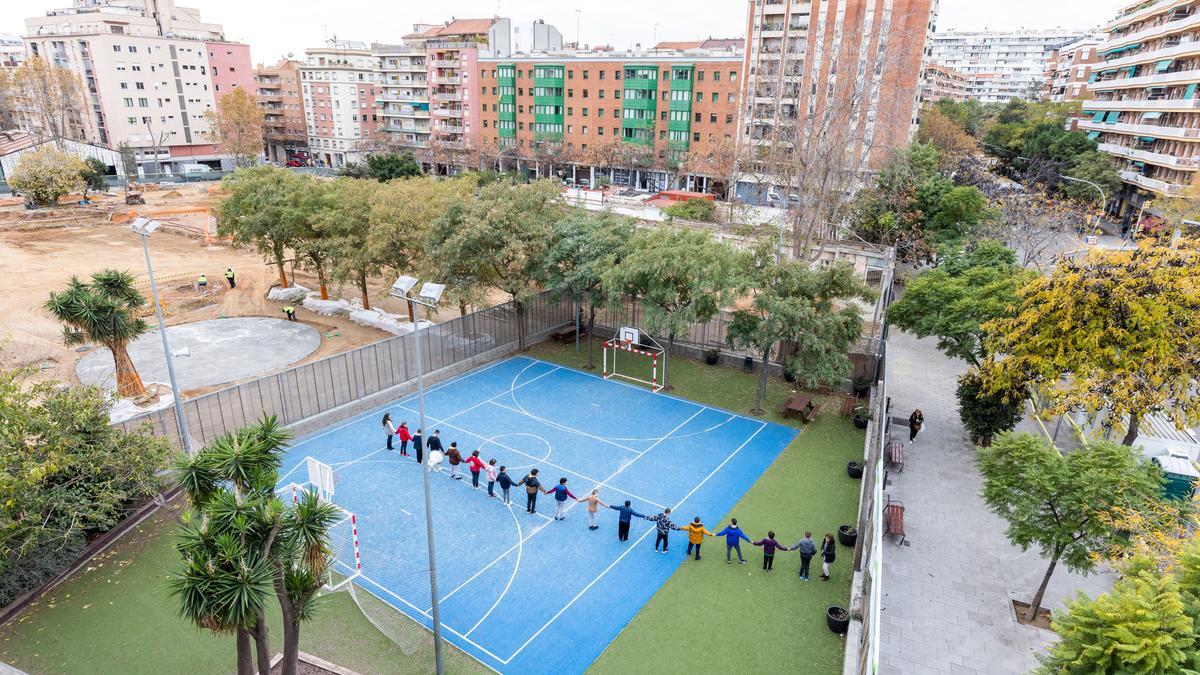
[162, 331]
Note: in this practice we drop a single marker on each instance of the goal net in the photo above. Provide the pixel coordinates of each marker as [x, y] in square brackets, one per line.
[630, 355]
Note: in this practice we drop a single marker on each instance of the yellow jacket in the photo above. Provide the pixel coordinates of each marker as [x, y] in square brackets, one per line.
[696, 532]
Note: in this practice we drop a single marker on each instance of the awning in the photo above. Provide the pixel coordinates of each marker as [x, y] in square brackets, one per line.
[1147, 139]
[1161, 66]
[1191, 91]
[1108, 72]
[1151, 115]
[1111, 118]
[1094, 77]
[1099, 117]
[1093, 135]
[1132, 70]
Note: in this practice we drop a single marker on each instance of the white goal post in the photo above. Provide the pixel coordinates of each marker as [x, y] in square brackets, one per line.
[629, 339]
[343, 534]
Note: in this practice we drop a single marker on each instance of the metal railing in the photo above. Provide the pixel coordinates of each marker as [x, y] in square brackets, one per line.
[304, 391]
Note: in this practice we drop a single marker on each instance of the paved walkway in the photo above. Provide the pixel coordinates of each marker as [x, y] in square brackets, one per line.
[946, 596]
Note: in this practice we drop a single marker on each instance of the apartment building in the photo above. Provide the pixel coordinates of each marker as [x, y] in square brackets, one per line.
[941, 82]
[645, 120]
[1069, 69]
[285, 130]
[150, 69]
[1145, 111]
[1001, 66]
[12, 51]
[835, 79]
[339, 84]
[405, 117]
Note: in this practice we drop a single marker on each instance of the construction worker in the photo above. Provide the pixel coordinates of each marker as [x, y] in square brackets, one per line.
[229, 277]
[202, 283]
[290, 311]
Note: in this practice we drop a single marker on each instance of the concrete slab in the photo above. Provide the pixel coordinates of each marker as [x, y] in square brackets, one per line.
[221, 350]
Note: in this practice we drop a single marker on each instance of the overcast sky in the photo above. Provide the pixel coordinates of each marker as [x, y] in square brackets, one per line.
[276, 27]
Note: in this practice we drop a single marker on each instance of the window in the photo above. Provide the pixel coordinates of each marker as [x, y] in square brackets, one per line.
[585, 112]
[570, 74]
[602, 74]
[132, 49]
[697, 117]
[729, 97]
[696, 137]
[585, 130]
[716, 97]
[139, 85]
[601, 94]
[599, 131]
[600, 112]
[116, 48]
[716, 76]
[124, 85]
[699, 97]
[585, 93]
[585, 74]
[733, 76]
[128, 102]
[665, 75]
[700, 76]
[712, 117]
[131, 120]
[663, 115]
[570, 112]
[145, 103]
[617, 74]
[728, 118]
[135, 67]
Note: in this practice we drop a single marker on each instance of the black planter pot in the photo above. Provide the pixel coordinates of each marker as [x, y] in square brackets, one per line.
[711, 357]
[854, 470]
[860, 422]
[861, 390]
[788, 376]
[838, 619]
[847, 535]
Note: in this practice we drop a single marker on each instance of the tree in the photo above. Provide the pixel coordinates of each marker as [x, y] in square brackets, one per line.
[104, 311]
[958, 214]
[505, 234]
[1032, 222]
[391, 166]
[239, 543]
[1094, 166]
[986, 414]
[702, 210]
[796, 302]
[52, 97]
[312, 244]
[1176, 209]
[956, 299]
[237, 126]
[66, 475]
[1111, 331]
[680, 276]
[47, 173]
[260, 210]
[1062, 504]
[969, 115]
[345, 220]
[945, 134]
[94, 176]
[586, 245]
[897, 209]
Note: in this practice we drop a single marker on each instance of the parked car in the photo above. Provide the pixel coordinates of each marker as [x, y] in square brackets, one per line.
[293, 163]
[195, 168]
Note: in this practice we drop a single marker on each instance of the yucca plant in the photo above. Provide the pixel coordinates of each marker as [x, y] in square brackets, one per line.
[105, 312]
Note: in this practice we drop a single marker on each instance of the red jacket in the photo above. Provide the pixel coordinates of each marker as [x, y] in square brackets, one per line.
[402, 432]
[476, 464]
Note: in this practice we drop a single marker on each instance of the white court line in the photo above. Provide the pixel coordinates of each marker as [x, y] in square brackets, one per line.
[628, 550]
[564, 427]
[511, 577]
[511, 389]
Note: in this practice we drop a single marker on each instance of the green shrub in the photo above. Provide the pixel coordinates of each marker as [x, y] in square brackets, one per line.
[703, 210]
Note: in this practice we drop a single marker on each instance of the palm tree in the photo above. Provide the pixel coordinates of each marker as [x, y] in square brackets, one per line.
[105, 312]
[302, 557]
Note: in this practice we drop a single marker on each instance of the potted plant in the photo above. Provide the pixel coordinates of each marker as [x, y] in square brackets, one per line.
[861, 417]
[838, 619]
[788, 375]
[712, 356]
[862, 386]
[854, 469]
[848, 535]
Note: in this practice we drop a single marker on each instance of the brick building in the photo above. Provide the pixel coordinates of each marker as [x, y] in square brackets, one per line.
[277, 89]
[339, 86]
[942, 82]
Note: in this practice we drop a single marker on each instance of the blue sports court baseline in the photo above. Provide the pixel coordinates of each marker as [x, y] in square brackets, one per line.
[523, 592]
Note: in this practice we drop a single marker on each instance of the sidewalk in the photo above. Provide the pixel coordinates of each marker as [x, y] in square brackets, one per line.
[945, 605]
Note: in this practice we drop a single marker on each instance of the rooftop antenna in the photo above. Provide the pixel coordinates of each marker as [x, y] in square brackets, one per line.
[577, 12]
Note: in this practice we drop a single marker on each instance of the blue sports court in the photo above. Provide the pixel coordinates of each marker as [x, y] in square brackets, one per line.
[520, 592]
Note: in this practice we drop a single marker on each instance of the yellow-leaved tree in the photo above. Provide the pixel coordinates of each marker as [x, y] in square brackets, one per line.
[1113, 333]
[237, 126]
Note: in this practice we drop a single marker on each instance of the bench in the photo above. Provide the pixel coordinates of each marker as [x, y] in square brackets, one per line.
[893, 519]
[800, 406]
[564, 334]
[894, 454]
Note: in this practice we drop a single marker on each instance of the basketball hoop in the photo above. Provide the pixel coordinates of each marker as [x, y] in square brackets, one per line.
[629, 339]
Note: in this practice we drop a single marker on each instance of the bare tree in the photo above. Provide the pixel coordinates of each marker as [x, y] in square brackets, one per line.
[51, 97]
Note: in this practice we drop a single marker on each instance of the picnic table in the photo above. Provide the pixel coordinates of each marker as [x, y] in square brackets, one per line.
[564, 334]
[800, 406]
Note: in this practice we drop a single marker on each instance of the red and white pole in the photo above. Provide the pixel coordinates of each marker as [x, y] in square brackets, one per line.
[354, 529]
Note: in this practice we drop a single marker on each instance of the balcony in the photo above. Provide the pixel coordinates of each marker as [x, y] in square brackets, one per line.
[448, 112]
[1182, 77]
[1156, 158]
[443, 63]
[1178, 26]
[415, 113]
[446, 80]
[1177, 133]
[1178, 51]
[1145, 12]
[1162, 104]
[1152, 184]
[447, 96]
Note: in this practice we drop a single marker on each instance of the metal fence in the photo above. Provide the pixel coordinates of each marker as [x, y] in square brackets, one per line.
[305, 391]
[118, 182]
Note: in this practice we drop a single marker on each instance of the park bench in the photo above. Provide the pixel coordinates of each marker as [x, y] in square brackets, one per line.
[894, 453]
[800, 406]
[893, 519]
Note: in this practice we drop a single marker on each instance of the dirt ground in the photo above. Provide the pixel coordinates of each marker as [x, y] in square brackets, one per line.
[40, 255]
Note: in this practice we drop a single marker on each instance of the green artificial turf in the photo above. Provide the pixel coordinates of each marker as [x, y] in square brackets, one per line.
[712, 617]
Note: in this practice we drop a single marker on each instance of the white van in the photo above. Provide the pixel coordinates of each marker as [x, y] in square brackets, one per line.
[195, 168]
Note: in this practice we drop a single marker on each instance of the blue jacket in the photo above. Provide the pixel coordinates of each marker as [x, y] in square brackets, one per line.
[626, 513]
[732, 534]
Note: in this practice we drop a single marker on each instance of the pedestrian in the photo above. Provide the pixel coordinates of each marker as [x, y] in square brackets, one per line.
[434, 442]
[418, 445]
[769, 547]
[696, 533]
[625, 513]
[453, 455]
[807, 549]
[202, 283]
[290, 311]
[663, 525]
[733, 541]
[561, 493]
[475, 465]
[532, 487]
[229, 277]
[915, 423]
[593, 502]
[388, 429]
[491, 478]
[403, 434]
[828, 553]
[505, 482]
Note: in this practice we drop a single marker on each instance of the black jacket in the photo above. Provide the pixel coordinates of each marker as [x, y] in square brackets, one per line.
[504, 480]
[829, 551]
[434, 443]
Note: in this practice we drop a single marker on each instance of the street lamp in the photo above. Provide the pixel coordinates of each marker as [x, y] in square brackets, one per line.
[144, 228]
[428, 297]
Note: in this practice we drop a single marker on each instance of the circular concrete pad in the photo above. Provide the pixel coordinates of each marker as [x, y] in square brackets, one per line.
[221, 350]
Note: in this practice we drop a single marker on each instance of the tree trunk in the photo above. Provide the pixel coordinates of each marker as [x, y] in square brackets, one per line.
[245, 661]
[129, 383]
[761, 393]
[262, 642]
[1036, 603]
[1132, 434]
[591, 326]
[667, 361]
[520, 306]
[321, 281]
[291, 643]
[283, 282]
[412, 317]
[462, 307]
[362, 285]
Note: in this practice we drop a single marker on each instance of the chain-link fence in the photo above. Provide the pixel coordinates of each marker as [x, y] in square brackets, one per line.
[304, 391]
